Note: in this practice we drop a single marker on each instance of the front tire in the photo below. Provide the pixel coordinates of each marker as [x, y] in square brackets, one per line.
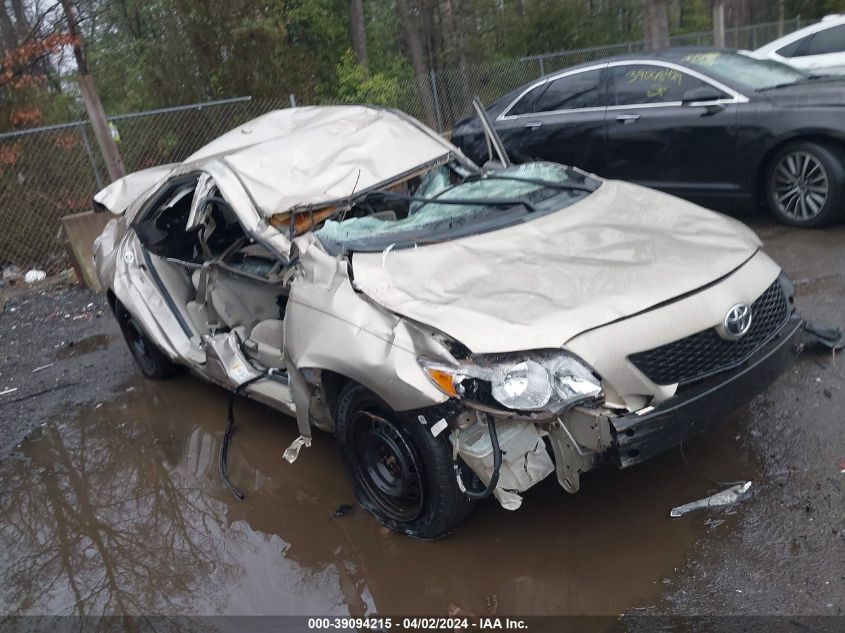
[152, 362]
[805, 184]
[401, 473]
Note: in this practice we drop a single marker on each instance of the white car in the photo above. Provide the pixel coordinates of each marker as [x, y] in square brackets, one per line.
[819, 48]
[463, 332]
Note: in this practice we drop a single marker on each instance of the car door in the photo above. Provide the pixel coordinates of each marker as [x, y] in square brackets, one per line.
[559, 119]
[821, 52]
[669, 128]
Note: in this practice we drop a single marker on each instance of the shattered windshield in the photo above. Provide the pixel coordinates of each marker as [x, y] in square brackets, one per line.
[446, 205]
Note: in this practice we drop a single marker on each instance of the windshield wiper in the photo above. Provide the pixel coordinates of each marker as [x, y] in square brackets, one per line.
[537, 181]
[490, 202]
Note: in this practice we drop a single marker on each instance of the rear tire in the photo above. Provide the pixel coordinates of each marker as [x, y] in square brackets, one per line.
[152, 362]
[401, 473]
[805, 184]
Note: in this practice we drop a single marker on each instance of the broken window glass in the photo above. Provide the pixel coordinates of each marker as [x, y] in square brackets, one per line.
[481, 203]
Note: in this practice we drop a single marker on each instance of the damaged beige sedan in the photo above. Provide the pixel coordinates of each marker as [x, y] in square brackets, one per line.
[463, 332]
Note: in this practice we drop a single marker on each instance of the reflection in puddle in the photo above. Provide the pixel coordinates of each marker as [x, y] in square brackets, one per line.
[119, 509]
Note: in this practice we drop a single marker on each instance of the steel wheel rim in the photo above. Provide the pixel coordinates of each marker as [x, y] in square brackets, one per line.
[387, 465]
[801, 186]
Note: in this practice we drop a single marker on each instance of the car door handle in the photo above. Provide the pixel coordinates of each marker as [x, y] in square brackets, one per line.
[533, 125]
[626, 119]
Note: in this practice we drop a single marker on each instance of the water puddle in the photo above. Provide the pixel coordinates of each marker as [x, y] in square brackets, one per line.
[85, 346]
[118, 509]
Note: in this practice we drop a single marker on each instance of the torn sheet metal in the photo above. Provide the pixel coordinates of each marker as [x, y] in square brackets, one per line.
[726, 497]
[329, 153]
[647, 249]
[120, 194]
[225, 360]
[380, 349]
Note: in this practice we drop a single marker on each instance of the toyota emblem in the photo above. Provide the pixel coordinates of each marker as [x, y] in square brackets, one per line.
[737, 322]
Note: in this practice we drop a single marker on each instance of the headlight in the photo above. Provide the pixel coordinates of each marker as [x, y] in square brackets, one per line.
[575, 382]
[547, 381]
[524, 386]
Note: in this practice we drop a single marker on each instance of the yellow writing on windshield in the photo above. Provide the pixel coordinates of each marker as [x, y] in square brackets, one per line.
[702, 59]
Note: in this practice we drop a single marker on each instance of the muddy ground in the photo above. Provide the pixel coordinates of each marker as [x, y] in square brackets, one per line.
[111, 501]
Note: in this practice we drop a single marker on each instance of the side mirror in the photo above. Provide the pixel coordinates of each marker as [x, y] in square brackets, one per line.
[702, 93]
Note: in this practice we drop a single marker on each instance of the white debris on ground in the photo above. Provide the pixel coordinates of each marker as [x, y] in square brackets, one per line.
[34, 276]
[726, 497]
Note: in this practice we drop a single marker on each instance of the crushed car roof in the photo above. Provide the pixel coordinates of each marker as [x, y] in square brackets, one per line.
[319, 155]
[305, 157]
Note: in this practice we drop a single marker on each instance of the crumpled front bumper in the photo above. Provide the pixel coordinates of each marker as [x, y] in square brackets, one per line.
[638, 437]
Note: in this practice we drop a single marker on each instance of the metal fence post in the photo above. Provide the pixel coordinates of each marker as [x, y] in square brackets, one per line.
[87, 145]
[542, 66]
[437, 112]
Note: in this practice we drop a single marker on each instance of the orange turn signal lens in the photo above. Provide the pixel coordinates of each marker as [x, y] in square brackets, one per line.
[444, 380]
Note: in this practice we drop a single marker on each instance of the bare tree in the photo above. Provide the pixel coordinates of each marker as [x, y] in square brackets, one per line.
[416, 55]
[358, 31]
[8, 39]
[455, 41]
[655, 24]
[719, 23]
[91, 98]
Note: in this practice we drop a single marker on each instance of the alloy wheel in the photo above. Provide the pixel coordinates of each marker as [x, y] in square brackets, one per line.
[801, 186]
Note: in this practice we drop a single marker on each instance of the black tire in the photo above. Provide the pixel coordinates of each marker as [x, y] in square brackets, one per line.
[401, 473]
[152, 362]
[805, 184]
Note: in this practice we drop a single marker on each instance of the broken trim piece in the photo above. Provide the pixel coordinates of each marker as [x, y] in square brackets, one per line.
[725, 497]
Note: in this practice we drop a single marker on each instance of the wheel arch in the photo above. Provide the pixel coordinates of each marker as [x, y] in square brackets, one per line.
[332, 384]
[111, 298]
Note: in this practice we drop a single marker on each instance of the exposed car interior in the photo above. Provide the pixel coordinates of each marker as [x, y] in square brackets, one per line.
[219, 278]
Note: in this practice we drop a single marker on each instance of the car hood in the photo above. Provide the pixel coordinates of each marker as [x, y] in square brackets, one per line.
[620, 251]
[827, 92]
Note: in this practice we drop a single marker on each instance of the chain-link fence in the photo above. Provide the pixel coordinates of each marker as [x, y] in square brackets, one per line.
[51, 172]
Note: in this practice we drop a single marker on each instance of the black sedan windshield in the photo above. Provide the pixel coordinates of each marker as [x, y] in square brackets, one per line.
[740, 68]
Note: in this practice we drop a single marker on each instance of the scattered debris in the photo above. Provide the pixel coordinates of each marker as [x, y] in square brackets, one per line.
[726, 497]
[343, 509]
[292, 451]
[34, 276]
[12, 275]
[832, 338]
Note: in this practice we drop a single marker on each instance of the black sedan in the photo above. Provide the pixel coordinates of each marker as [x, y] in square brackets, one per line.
[718, 127]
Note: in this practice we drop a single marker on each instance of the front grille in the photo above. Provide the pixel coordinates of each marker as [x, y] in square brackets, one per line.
[706, 353]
